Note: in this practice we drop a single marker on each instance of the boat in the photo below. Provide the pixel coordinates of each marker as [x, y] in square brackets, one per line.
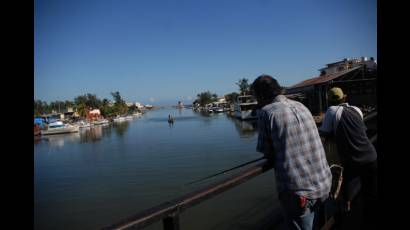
[58, 127]
[218, 109]
[129, 117]
[119, 119]
[100, 122]
[245, 107]
[83, 124]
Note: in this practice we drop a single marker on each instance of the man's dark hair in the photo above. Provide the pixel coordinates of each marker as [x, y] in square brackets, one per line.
[266, 87]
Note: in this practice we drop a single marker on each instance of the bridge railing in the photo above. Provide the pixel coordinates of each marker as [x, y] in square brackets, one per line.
[169, 212]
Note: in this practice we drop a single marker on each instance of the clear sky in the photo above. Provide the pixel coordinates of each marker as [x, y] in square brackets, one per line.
[162, 51]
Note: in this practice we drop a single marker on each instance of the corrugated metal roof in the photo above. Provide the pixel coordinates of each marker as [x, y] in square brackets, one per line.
[323, 79]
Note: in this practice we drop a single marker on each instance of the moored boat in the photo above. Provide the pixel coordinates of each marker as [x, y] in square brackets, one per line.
[59, 127]
[245, 107]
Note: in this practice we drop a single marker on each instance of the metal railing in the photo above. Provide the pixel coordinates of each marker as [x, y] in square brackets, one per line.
[169, 212]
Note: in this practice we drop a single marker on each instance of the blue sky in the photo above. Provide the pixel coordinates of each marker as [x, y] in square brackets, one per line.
[162, 51]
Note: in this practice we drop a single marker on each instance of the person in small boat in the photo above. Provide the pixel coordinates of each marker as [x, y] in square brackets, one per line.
[289, 138]
[344, 123]
[170, 119]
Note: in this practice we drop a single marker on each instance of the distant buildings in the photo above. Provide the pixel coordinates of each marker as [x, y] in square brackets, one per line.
[94, 114]
[221, 100]
[346, 64]
[139, 105]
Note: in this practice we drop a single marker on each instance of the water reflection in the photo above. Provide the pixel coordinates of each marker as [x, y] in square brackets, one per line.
[92, 134]
[245, 128]
[203, 113]
[37, 139]
[58, 140]
[176, 119]
[102, 177]
[121, 127]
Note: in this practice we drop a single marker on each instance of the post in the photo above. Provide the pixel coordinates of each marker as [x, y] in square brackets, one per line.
[171, 222]
[320, 99]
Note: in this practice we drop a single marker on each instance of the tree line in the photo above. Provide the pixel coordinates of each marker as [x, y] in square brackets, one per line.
[84, 102]
[208, 97]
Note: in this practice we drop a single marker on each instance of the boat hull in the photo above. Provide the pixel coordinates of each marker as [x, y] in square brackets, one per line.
[71, 129]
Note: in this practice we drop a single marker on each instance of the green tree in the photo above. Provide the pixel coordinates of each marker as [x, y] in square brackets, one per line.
[132, 109]
[106, 109]
[244, 86]
[82, 110]
[57, 106]
[206, 98]
[119, 107]
[38, 107]
[82, 99]
[88, 100]
[231, 97]
[117, 97]
[93, 101]
[68, 104]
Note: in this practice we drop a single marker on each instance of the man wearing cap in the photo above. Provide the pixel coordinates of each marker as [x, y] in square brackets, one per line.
[358, 156]
[289, 138]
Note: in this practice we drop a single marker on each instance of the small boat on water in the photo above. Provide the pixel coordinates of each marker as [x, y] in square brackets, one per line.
[170, 119]
[59, 127]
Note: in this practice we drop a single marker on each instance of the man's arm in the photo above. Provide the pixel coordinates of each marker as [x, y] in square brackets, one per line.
[327, 128]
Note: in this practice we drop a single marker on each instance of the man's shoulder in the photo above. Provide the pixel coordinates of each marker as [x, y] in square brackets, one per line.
[357, 109]
[333, 109]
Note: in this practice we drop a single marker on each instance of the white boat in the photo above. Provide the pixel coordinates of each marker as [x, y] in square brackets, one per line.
[83, 124]
[218, 109]
[137, 114]
[119, 119]
[245, 107]
[58, 127]
[128, 118]
[100, 122]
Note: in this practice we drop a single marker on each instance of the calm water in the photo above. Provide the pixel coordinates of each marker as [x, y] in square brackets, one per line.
[93, 178]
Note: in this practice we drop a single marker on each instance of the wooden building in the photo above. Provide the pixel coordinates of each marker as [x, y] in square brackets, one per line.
[359, 83]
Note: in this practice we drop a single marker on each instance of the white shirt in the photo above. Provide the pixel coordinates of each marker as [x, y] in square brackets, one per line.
[332, 117]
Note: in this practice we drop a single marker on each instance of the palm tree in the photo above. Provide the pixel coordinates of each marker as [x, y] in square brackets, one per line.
[244, 86]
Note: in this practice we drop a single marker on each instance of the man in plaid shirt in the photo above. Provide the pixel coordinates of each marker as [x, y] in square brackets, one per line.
[289, 138]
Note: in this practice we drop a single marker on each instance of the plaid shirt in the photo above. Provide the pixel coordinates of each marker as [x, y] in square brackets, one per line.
[287, 129]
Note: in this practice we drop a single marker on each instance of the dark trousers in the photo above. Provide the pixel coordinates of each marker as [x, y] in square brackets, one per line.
[363, 179]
